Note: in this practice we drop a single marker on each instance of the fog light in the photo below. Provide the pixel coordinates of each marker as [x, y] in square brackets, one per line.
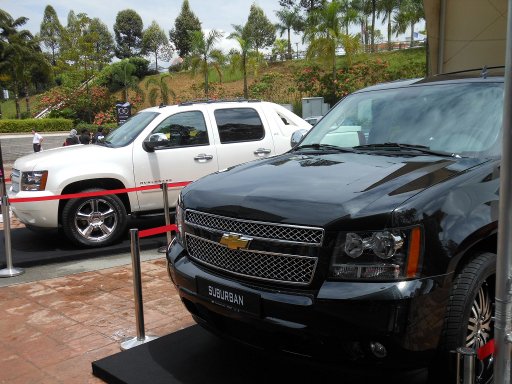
[378, 349]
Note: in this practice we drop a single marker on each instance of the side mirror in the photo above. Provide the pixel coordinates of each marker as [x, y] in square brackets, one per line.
[149, 145]
[297, 136]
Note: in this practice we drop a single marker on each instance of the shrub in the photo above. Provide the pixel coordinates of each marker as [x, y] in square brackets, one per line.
[40, 125]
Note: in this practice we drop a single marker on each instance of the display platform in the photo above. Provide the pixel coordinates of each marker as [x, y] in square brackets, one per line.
[193, 355]
[29, 248]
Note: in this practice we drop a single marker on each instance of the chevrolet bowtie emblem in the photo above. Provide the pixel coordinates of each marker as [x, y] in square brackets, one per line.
[235, 241]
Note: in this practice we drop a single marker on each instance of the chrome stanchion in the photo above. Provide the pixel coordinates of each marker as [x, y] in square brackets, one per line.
[141, 337]
[167, 217]
[468, 358]
[10, 270]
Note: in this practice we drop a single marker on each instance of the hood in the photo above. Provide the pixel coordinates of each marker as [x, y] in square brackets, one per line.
[50, 158]
[320, 189]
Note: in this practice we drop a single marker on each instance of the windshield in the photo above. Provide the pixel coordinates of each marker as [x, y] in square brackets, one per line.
[128, 131]
[455, 119]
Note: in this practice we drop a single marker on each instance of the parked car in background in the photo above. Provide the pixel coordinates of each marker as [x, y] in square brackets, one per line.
[372, 242]
[167, 144]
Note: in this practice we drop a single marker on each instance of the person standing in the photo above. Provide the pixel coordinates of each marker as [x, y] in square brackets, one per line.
[98, 136]
[85, 136]
[37, 140]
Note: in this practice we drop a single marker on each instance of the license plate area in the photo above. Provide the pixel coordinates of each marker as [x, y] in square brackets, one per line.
[235, 299]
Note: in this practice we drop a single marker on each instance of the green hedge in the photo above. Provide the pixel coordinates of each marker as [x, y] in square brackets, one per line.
[40, 125]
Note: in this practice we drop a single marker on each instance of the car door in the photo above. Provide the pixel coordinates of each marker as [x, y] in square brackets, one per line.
[187, 152]
[242, 135]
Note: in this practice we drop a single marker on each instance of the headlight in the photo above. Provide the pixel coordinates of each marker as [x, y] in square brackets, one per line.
[180, 220]
[33, 181]
[381, 255]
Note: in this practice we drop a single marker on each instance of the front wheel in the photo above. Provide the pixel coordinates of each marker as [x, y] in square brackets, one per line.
[468, 322]
[94, 221]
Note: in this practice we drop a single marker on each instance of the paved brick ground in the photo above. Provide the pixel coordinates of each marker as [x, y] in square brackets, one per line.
[52, 330]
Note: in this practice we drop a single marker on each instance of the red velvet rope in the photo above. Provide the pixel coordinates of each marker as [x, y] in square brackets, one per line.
[96, 193]
[157, 230]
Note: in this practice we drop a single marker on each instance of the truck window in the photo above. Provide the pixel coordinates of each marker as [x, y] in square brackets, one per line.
[182, 130]
[239, 124]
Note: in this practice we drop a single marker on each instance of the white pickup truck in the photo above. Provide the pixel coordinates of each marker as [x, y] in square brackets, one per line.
[167, 144]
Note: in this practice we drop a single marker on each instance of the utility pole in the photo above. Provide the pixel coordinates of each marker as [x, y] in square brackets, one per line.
[297, 44]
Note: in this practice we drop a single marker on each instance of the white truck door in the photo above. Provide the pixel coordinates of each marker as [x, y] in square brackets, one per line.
[187, 152]
[242, 134]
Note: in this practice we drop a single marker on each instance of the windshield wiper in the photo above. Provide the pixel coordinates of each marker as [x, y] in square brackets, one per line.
[325, 147]
[406, 147]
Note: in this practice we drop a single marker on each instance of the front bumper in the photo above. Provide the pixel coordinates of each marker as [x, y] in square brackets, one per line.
[343, 321]
[42, 214]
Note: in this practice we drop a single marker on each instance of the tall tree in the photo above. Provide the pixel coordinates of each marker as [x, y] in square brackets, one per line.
[239, 58]
[325, 33]
[259, 28]
[128, 33]
[103, 43]
[51, 31]
[155, 42]
[388, 7]
[308, 5]
[186, 22]
[201, 49]
[20, 54]
[410, 12]
[288, 19]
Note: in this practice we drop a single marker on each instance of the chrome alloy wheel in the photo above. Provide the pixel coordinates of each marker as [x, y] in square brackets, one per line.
[480, 330]
[96, 219]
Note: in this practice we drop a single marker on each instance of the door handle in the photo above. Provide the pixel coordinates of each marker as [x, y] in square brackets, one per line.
[203, 157]
[262, 151]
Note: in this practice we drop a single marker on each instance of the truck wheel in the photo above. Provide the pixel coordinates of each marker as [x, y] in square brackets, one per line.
[94, 221]
[468, 321]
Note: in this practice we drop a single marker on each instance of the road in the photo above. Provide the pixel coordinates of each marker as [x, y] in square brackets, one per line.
[14, 146]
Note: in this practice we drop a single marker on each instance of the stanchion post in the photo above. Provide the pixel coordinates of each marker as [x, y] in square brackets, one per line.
[166, 214]
[10, 270]
[141, 337]
[468, 357]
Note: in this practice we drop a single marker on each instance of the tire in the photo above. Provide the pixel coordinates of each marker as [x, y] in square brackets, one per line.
[94, 221]
[468, 320]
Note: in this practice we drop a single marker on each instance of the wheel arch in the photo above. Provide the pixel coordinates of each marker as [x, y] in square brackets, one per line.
[486, 244]
[103, 183]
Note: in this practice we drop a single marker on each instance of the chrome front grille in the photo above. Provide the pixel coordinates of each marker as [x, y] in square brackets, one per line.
[280, 268]
[261, 230]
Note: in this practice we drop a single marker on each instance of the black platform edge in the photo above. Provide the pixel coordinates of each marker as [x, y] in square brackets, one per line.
[194, 356]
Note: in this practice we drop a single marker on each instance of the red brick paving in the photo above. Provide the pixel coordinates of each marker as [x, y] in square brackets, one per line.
[52, 330]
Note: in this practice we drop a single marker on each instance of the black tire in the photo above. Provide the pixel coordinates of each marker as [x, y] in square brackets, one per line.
[94, 221]
[468, 320]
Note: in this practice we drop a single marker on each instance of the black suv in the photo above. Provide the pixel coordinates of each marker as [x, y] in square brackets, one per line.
[372, 241]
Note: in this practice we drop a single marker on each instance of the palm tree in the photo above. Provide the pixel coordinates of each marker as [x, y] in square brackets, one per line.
[239, 59]
[324, 33]
[161, 86]
[409, 13]
[388, 7]
[288, 20]
[350, 14]
[20, 52]
[123, 73]
[201, 48]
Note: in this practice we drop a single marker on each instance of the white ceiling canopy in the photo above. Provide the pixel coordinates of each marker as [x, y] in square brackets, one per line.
[465, 34]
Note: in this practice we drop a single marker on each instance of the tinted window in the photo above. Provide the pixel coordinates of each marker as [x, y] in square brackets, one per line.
[239, 124]
[181, 130]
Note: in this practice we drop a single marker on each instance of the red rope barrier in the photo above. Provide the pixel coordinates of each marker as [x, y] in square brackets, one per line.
[96, 193]
[157, 230]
